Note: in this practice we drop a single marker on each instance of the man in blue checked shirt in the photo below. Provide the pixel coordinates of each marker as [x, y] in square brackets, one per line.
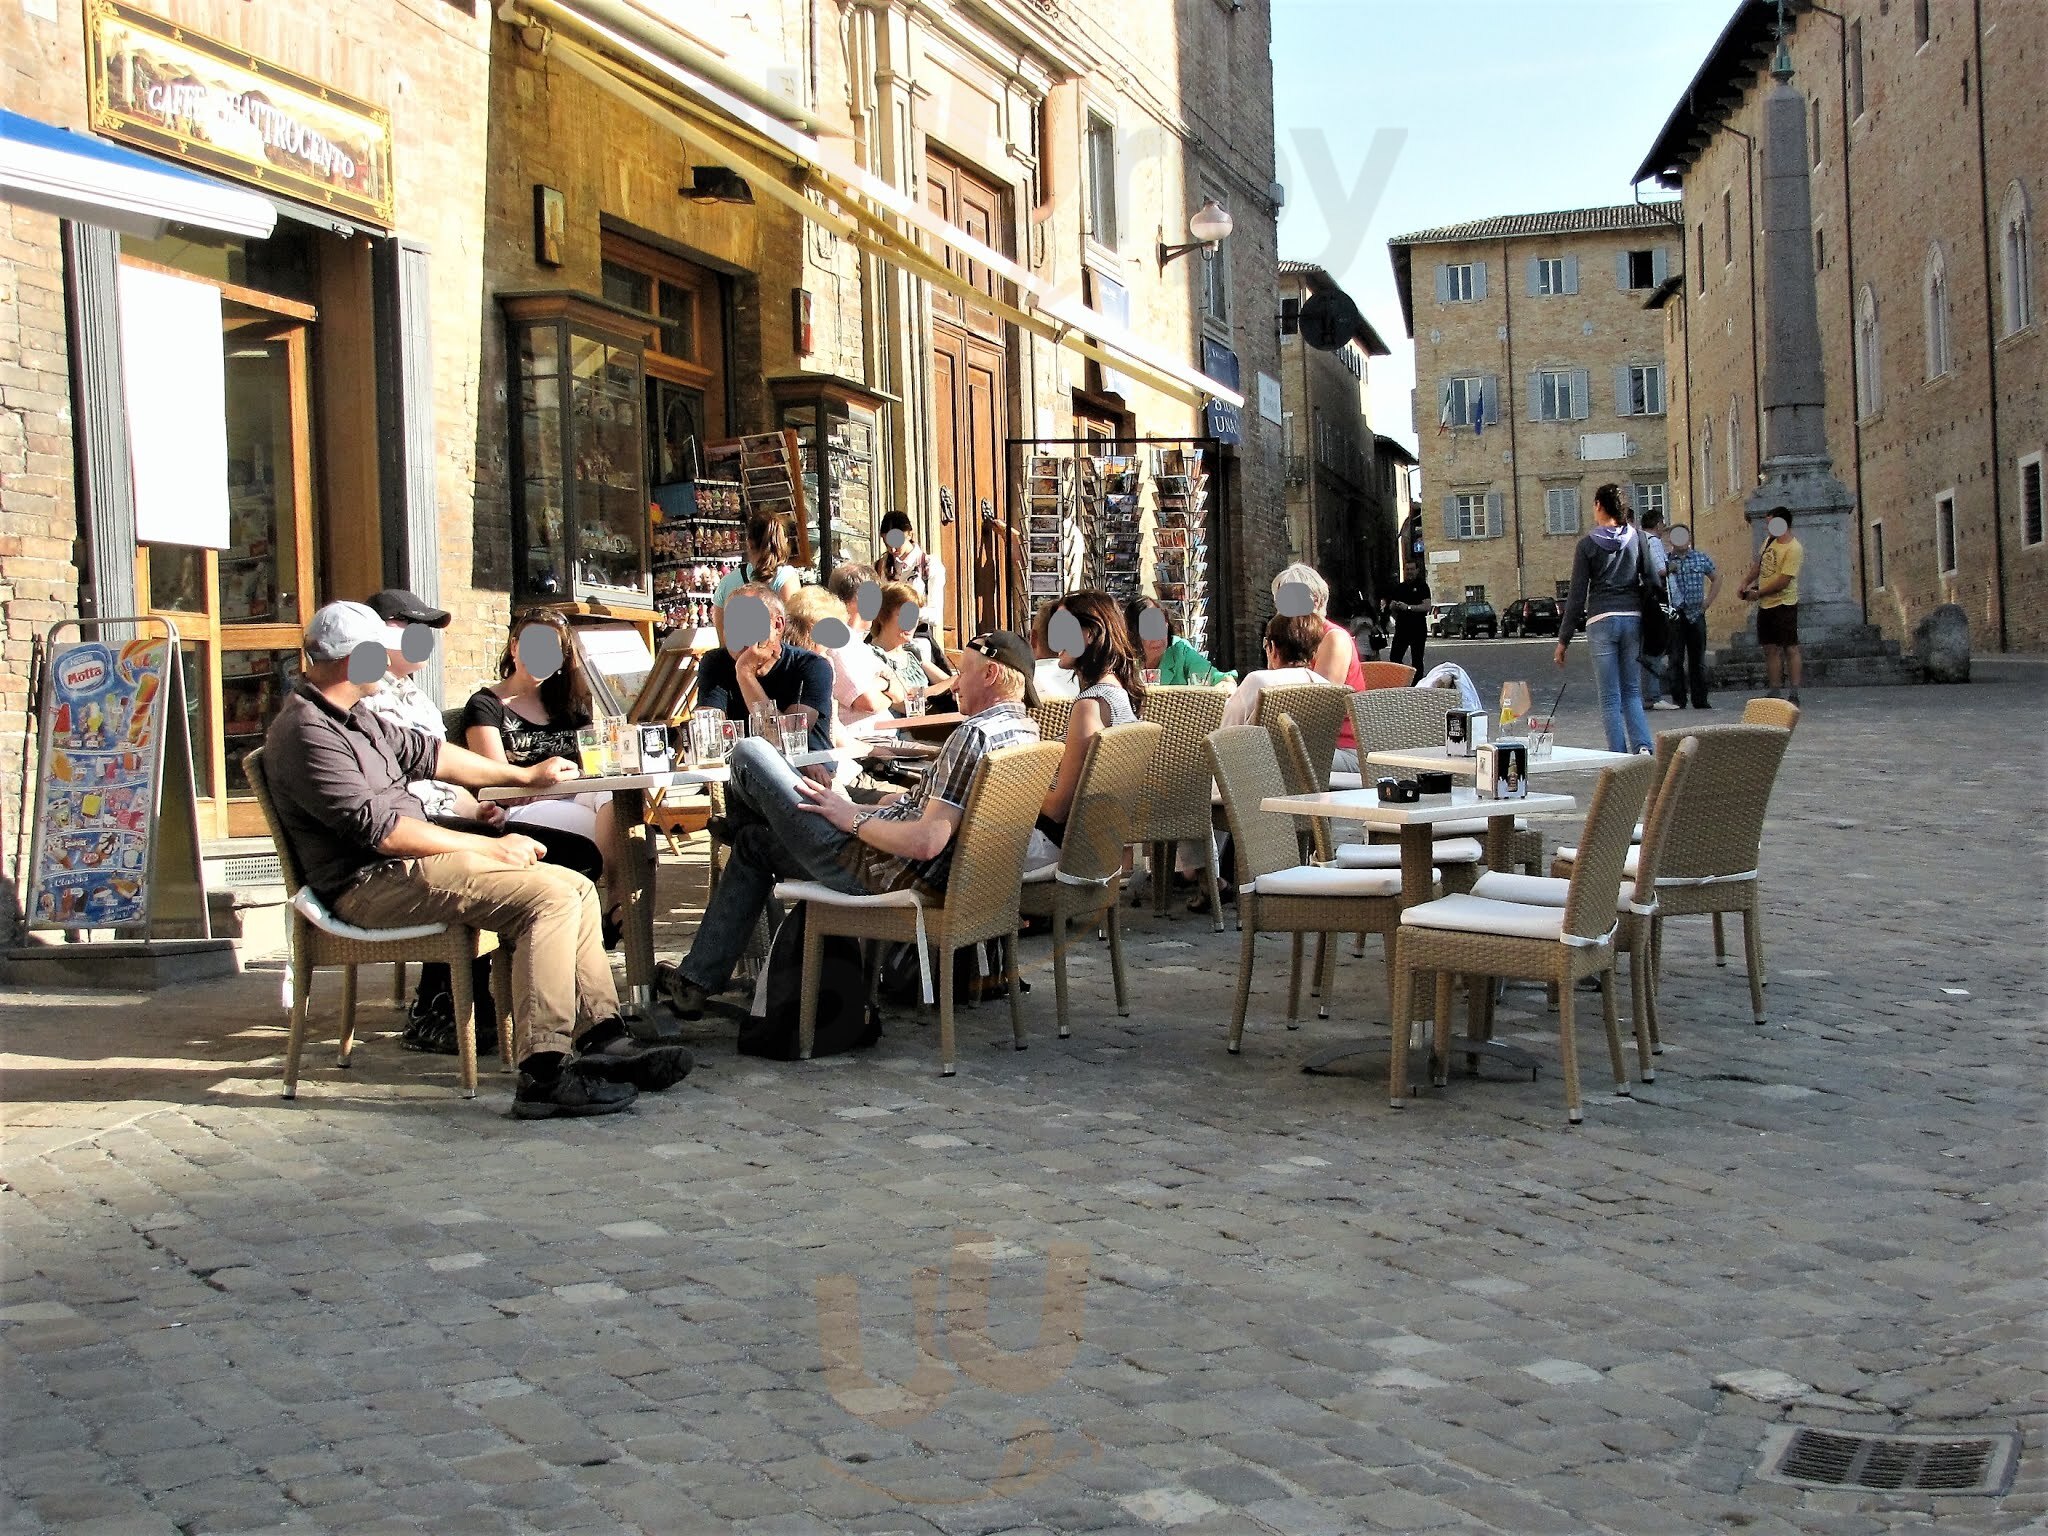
[1691, 583]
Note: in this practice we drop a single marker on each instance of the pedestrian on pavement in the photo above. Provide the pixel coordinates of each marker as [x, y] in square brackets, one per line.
[1772, 583]
[1656, 668]
[1408, 606]
[1608, 570]
[1693, 582]
[338, 777]
[805, 831]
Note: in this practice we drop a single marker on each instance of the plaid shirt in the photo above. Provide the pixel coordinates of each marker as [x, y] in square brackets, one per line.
[1686, 579]
[1003, 724]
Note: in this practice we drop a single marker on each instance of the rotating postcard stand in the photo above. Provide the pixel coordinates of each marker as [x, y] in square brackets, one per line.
[116, 840]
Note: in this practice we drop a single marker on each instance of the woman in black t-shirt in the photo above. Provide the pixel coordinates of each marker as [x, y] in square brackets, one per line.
[522, 720]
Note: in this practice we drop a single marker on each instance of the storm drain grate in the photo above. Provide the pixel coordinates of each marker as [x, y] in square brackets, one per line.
[251, 869]
[1828, 1458]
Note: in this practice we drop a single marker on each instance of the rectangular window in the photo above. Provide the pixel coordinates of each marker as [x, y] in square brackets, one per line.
[1458, 282]
[1101, 149]
[1877, 555]
[1561, 510]
[1553, 394]
[1855, 69]
[1923, 23]
[2030, 499]
[1652, 497]
[1945, 534]
[1563, 589]
[1727, 228]
[1642, 269]
[1820, 250]
[1475, 594]
[1813, 131]
[1645, 391]
[1463, 392]
[1550, 275]
[1701, 261]
[1471, 516]
[1216, 287]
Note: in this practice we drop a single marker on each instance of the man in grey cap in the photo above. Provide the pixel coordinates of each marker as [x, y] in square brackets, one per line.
[338, 777]
[807, 831]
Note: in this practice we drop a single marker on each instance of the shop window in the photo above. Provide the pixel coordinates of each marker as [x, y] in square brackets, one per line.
[686, 405]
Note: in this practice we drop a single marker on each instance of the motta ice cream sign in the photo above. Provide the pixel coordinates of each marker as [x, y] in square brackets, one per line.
[174, 91]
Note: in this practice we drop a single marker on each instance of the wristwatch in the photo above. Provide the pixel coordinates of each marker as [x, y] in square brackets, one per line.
[860, 821]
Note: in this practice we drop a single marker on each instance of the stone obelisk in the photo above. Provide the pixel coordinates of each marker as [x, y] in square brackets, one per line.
[1797, 470]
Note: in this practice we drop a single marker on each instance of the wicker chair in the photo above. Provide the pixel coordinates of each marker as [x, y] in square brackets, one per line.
[1709, 861]
[1481, 939]
[1318, 712]
[1386, 674]
[320, 940]
[1052, 716]
[982, 890]
[1636, 907]
[1177, 804]
[1778, 712]
[1087, 882]
[1276, 892]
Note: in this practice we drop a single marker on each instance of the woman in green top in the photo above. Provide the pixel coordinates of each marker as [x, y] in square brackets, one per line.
[1178, 663]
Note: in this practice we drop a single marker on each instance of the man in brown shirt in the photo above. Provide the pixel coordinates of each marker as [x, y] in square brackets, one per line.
[337, 775]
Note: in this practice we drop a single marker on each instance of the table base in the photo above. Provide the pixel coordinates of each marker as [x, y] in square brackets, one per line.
[1324, 1063]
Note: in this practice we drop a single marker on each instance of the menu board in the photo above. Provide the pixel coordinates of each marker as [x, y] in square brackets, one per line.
[103, 724]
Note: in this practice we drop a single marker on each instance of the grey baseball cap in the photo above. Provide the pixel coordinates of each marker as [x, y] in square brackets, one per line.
[334, 632]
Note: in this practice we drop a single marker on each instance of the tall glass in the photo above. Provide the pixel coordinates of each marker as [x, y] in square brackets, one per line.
[1514, 706]
[913, 700]
[590, 751]
[796, 736]
[707, 738]
[764, 719]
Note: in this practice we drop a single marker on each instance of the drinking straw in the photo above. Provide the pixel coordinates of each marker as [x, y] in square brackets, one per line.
[1552, 716]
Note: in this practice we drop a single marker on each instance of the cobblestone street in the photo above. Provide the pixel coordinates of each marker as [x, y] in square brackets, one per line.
[807, 1298]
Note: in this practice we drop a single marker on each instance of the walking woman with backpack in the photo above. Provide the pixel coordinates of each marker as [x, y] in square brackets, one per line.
[1610, 573]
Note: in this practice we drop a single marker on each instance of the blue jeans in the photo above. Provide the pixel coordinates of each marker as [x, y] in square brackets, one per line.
[784, 844]
[1617, 645]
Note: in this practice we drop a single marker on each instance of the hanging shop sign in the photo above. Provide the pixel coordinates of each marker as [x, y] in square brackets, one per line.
[1220, 419]
[175, 91]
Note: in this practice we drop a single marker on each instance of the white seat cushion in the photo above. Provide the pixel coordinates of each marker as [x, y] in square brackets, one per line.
[314, 911]
[1476, 827]
[1477, 914]
[1543, 891]
[1637, 835]
[1041, 876]
[812, 890]
[1339, 779]
[1328, 880]
[1450, 850]
[1628, 867]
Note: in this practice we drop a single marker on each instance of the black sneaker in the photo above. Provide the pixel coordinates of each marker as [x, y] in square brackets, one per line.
[574, 1091]
[686, 999]
[430, 1027]
[609, 1051]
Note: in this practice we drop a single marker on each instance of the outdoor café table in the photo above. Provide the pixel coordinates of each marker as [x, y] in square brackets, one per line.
[1439, 760]
[634, 847]
[1416, 825]
[913, 722]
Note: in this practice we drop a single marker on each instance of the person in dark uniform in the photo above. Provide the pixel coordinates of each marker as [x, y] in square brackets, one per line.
[1408, 608]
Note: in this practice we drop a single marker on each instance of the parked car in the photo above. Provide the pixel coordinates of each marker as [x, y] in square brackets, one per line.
[1530, 616]
[1469, 621]
[1437, 614]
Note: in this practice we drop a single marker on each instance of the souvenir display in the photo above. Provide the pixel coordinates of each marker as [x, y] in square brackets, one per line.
[1180, 556]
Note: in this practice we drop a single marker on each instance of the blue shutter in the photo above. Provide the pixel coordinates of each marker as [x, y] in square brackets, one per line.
[1582, 392]
[1493, 515]
[1571, 274]
[1621, 270]
[1450, 517]
[1535, 276]
[1536, 395]
[1621, 390]
[1478, 280]
[1490, 389]
[1443, 283]
[1660, 264]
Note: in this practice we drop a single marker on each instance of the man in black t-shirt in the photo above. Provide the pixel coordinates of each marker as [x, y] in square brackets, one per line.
[1408, 607]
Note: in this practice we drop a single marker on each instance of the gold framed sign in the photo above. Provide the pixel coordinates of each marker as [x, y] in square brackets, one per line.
[172, 90]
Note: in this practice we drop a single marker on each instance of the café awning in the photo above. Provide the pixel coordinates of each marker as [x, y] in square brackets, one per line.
[637, 70]
[79, 177]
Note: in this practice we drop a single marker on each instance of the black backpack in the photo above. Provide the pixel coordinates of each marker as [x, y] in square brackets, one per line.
[845, 1021]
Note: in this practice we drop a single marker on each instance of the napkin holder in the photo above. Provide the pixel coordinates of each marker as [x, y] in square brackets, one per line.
[1464, 732]
[1504, 771]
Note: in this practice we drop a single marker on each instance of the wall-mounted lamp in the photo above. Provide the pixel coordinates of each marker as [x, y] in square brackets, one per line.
[1209, 227]
[716, 184]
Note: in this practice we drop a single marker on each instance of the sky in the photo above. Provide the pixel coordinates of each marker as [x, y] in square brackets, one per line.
[1399, 115]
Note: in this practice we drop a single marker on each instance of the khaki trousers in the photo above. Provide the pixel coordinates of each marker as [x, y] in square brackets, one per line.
[561, 977]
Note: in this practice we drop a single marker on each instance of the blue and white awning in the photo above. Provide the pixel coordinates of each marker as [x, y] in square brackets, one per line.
[77, 176]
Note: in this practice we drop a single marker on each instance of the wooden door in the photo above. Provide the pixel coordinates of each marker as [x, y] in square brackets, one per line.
[970, 391]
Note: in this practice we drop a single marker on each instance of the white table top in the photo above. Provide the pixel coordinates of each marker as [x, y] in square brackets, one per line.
[674, 779]
[1439, 760]
[1461, 804]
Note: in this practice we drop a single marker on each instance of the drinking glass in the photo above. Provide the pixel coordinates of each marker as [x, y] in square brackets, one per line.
[764, 720]
[796, 736]
[707, 737]
[1150, 677]
[1540, 737]
[590, 751]
[913, 702]
[1514, 706]
[624, 742]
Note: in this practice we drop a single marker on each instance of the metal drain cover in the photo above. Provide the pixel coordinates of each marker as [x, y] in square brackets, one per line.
[1833, 1458]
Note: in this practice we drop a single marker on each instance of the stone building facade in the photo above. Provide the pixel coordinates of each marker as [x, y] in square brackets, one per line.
[1346, 484]
[1539, 376]
[1924, 126]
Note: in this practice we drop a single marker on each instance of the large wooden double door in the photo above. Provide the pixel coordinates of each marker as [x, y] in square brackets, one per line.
[970, 394]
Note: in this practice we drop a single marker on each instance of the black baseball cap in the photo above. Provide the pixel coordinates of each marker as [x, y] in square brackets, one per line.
[395, 605]
[1013, 652]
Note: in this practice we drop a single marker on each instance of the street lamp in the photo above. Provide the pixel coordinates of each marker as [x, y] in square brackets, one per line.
[1210, 226]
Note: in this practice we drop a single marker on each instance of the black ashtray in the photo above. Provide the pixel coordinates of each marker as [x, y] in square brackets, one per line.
[1433, 783]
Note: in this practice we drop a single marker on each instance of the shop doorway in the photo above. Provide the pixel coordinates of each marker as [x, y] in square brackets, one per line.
[970, 396]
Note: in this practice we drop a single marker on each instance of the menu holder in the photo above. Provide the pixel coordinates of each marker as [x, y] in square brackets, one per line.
[664, 699]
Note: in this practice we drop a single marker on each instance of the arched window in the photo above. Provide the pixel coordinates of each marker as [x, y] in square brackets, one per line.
[1869, 356]
[2016, 259]
[1734, 446]
[1707, 465]
[1935, 292]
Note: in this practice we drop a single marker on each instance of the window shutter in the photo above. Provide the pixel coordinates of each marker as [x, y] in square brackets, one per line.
[1622, 405]
[1450, 517]
[1493, 517]
[1621, 270]
[1573, 493]
[1443, 401]
[1660, 265]
[1582, 390]
[1478, 280]
[1536, 395]
[1443, 283]
[1490, 393]
[1535, 276]
[1571, 274]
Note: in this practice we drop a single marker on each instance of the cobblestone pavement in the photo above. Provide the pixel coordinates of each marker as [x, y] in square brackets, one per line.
[1272, 1303]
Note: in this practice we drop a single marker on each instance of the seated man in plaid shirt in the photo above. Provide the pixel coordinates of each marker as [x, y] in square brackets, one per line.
[815, 833]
